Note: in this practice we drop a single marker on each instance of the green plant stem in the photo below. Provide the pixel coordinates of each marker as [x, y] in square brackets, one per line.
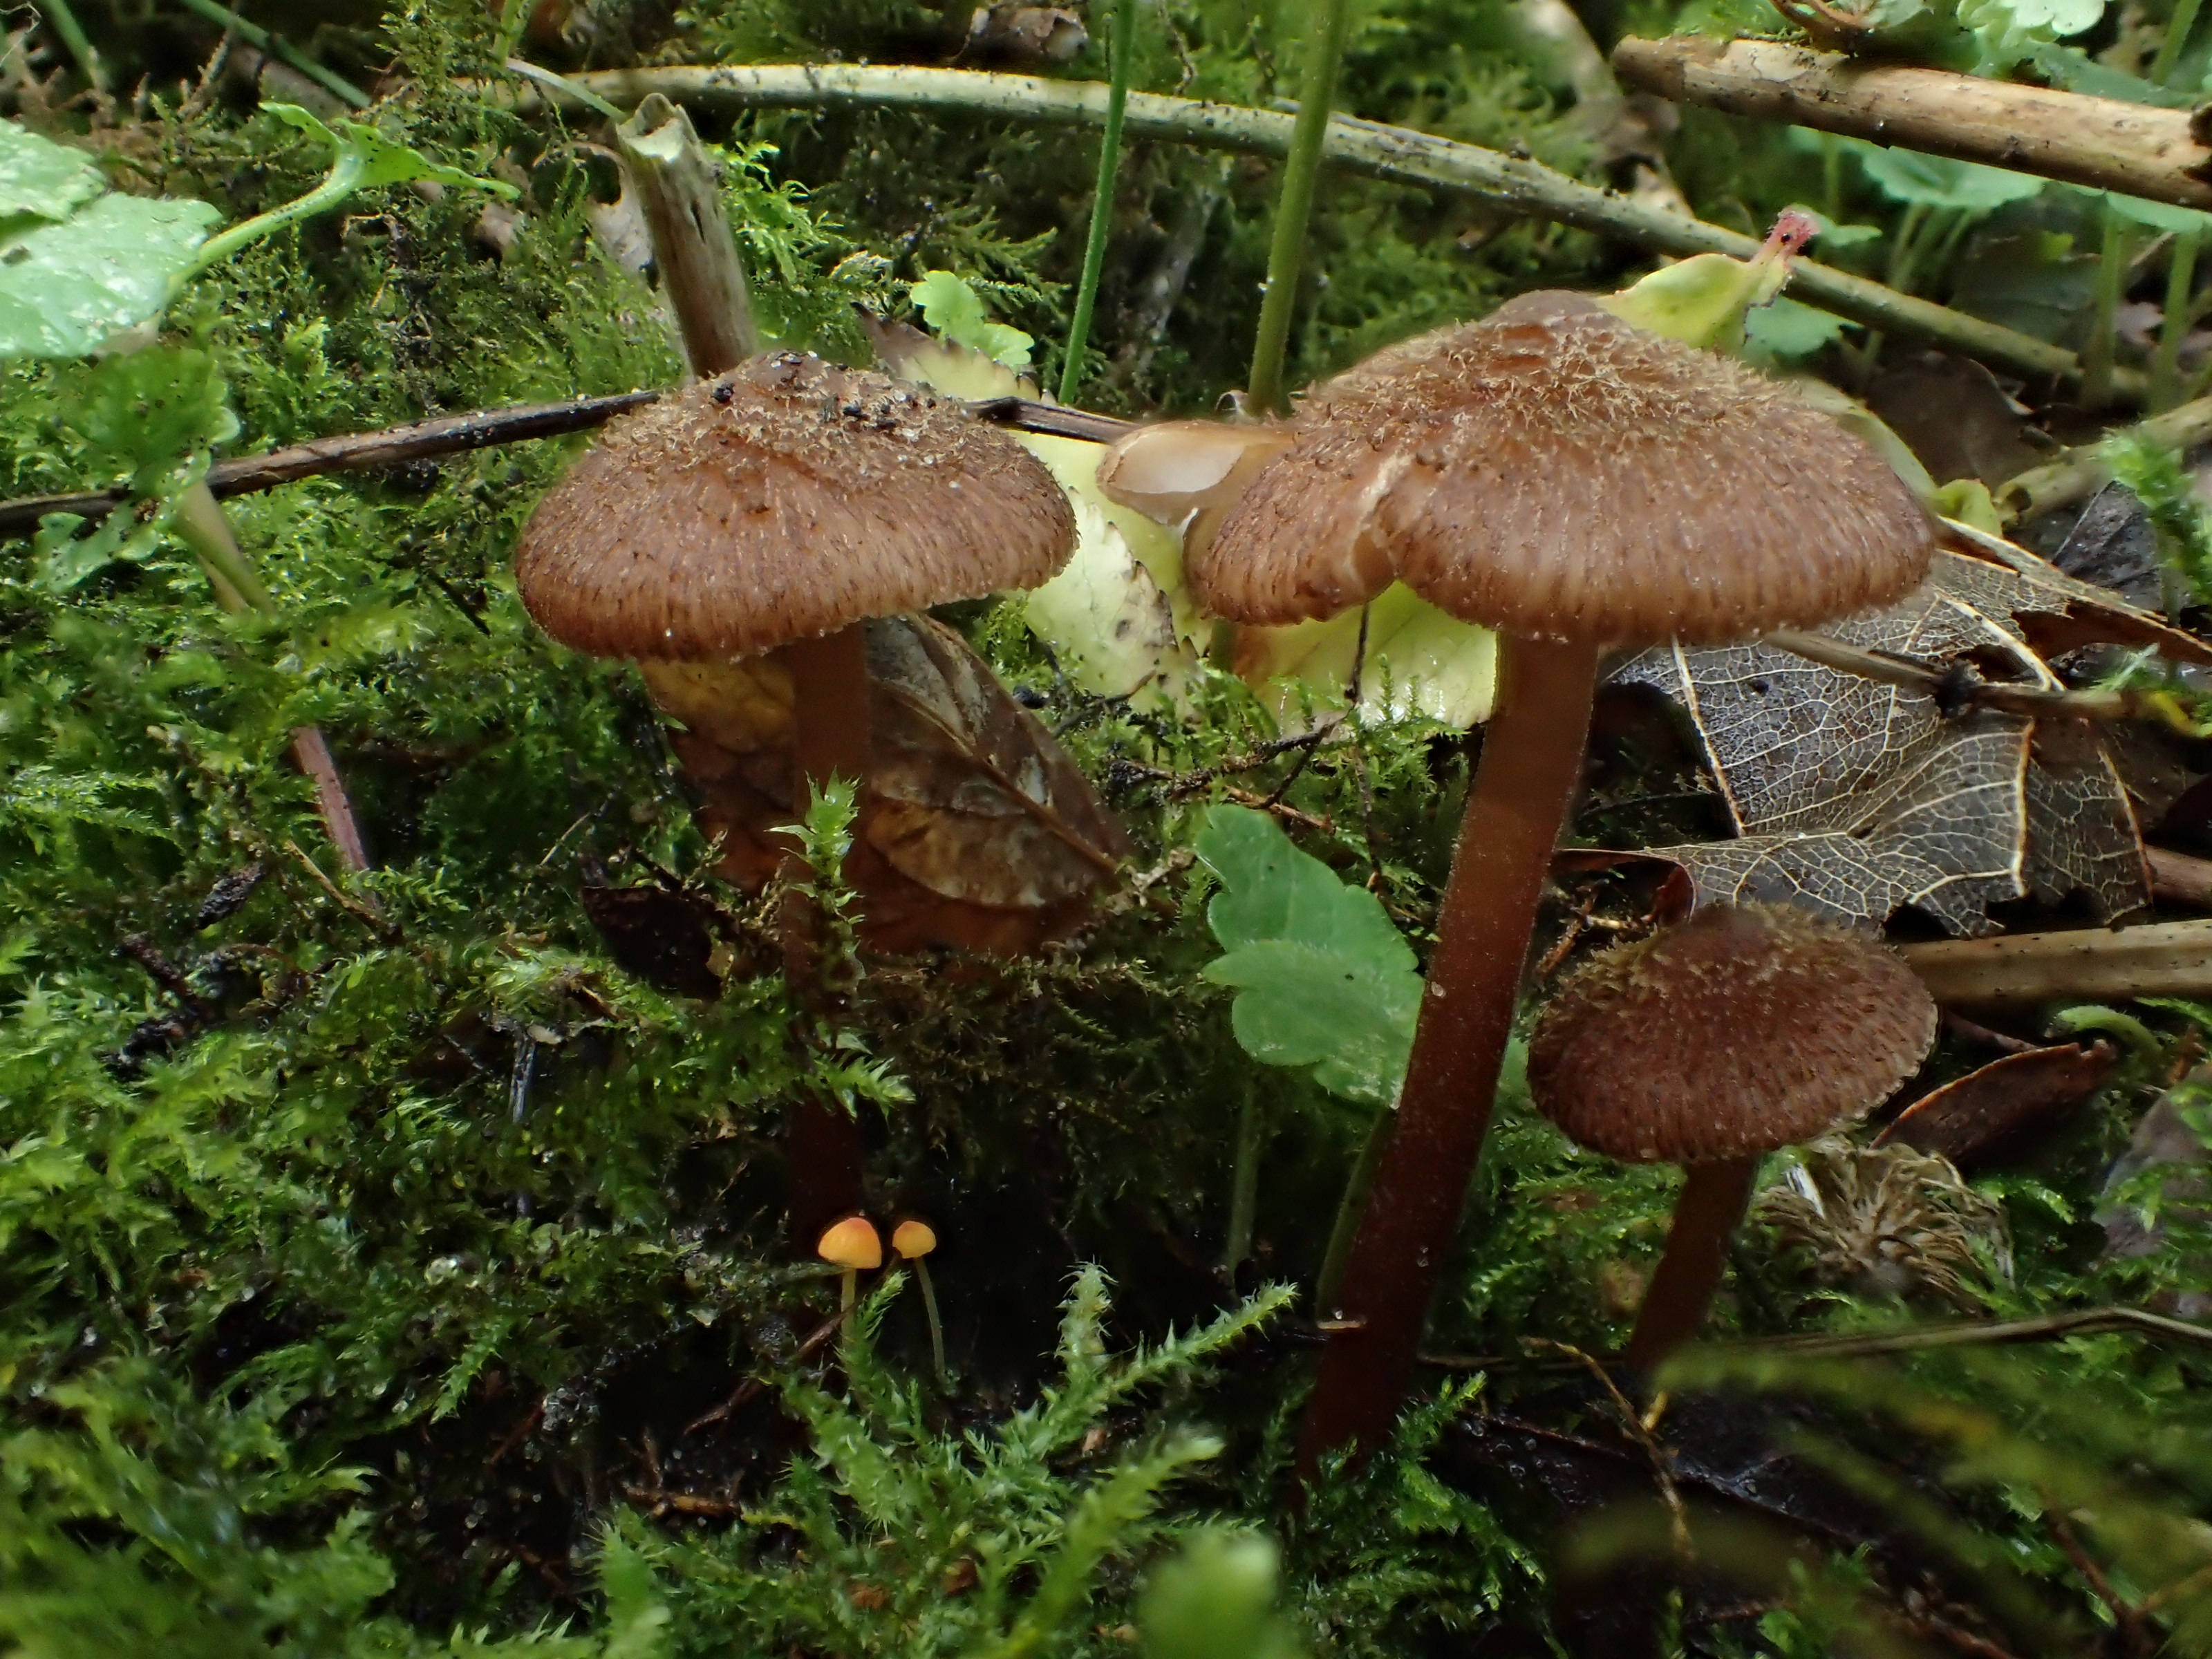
[1349, 1208]
[344, 179]
[1329, 22]
[936, 1325]
[2097, 358]
[74, 39]
[1245, 1183]
[1398, 154]
[278, 47]
[1102, 201]
[2178, 28]
[2165, 364]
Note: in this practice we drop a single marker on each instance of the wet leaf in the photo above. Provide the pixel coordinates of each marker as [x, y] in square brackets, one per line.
[66, 288]
[976, 829]
[1324, 977]
[42, 178]
[1990, 1104]
[1856, 798]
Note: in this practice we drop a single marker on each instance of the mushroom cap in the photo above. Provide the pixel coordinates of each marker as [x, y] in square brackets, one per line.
[852, 1243]
[913, 1239]
[1553, 470]
[1741, 1030]
[784, 500]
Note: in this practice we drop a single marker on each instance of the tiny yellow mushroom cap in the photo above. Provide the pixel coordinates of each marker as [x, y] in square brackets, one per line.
[851, 1244]
[912, 1239]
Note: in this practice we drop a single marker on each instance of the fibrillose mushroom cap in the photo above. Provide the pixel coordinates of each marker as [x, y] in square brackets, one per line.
[913, 1239]
[852, 1243]
[1554, 472]
[782, 501]
[1742, 1030]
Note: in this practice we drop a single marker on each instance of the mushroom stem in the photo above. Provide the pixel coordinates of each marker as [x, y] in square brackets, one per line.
[1531, 767]
[848, 1294]
[936, 1325]
[829, 735]
[1706, 1216]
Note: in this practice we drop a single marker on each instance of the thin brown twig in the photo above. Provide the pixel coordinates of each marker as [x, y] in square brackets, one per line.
[485, 429]
[521, 1432]
[753, 1387]
[2127, 1617]
[1662, 1470]
[2045, 1327]
[375, 921]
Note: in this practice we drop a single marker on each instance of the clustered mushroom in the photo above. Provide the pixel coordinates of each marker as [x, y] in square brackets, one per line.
[1709, 1044]
[1579, 485]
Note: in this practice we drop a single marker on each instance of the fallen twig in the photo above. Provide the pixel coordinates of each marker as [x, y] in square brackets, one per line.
[2077, 474]
[2178, 878]
[2044, 1327]
[2098, 142]
[1962, 686]
[2167, 958]
[752, 1387]
[484, 429]
[1397, 154]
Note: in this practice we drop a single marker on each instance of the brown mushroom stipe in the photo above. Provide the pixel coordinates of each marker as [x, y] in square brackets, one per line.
[777, 507]
[1709, 1044]
[1579, 484]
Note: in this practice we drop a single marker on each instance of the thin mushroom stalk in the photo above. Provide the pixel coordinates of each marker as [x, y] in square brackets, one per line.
[1531, 767]
[1712, 1208]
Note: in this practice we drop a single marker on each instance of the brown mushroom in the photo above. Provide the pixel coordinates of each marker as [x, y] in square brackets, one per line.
[776, 508]
[1578, 484]
[1710, 1044]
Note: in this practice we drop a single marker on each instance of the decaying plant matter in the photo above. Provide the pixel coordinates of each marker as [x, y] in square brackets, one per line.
[1888, 1221]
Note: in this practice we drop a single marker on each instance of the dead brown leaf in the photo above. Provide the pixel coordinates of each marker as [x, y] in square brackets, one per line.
[1857, 798]
[974, 831]
[1971, 1114]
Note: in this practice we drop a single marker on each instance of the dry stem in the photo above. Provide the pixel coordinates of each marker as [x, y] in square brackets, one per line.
[1397, 154]
[2167, 958]
[2098, 142]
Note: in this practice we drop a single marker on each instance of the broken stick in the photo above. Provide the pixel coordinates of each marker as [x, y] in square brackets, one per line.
[2098, 143]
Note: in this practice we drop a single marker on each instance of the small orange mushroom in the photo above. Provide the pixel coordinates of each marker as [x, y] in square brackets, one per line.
[913, 1239]
[852, 1245]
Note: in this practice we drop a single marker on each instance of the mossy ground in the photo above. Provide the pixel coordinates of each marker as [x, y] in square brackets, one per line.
[355, 1277]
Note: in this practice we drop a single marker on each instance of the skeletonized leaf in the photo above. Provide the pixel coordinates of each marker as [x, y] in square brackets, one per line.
[1856, 798]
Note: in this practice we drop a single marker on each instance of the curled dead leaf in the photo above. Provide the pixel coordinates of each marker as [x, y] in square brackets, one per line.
[1969, 1115]
[974, 830]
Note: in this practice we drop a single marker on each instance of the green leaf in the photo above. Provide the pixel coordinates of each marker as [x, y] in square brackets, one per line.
[2158, 216]
[1783, 330]
[150, 418]
[383, 161]
[42, 178]
[66, 289]
[1903, 175]
[1326, 982]
[956, 312]
[1217, 1601]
